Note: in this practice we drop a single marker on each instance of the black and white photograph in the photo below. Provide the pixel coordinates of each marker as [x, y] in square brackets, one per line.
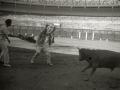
[59, 44]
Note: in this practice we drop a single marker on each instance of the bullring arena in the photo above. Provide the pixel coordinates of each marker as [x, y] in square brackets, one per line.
[64, 74]
[91, 24]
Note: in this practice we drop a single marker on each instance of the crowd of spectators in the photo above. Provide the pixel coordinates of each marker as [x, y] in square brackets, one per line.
[71, 2]
[66, 21]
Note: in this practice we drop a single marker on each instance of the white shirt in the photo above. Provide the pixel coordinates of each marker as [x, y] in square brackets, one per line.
[3, 32]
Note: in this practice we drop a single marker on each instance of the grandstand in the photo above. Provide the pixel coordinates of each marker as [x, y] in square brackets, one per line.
[69, 2]
[82, 19]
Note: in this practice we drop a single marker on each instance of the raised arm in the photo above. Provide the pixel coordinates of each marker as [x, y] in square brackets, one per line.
[54, 28]
[44, 30]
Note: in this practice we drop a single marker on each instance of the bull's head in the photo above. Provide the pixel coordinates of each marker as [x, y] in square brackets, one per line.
[80, 58]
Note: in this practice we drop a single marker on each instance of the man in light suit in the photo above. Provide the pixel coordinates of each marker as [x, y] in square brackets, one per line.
[4, 56]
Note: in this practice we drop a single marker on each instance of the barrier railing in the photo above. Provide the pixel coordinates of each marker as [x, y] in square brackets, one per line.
[69, 33]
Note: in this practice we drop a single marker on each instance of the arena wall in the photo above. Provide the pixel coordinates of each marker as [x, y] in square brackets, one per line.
[69, 33]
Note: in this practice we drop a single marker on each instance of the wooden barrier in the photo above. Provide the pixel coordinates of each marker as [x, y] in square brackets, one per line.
[23, 30]
[30, 30]
[70, 33]
[117, 36]
[75, 34]
[97, 35]
[63, 33]
[37, 31]
[57, 32]
[16, 29]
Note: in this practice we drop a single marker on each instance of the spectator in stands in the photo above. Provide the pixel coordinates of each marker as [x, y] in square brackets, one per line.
[41, 45]
[4, 56]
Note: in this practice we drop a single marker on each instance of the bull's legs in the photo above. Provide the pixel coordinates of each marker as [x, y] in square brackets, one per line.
[89, 66]
[93, 70]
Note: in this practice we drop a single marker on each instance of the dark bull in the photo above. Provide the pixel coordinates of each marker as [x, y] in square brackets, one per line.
[99, 59]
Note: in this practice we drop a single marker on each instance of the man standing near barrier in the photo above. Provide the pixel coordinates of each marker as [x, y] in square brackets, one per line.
[4, 56]
[41, 44]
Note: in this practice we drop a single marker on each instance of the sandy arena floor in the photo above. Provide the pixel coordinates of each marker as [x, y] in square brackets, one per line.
[69, 46]
[65, 74]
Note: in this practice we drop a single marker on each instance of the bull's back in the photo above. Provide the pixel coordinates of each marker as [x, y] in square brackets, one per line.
[107, 59]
